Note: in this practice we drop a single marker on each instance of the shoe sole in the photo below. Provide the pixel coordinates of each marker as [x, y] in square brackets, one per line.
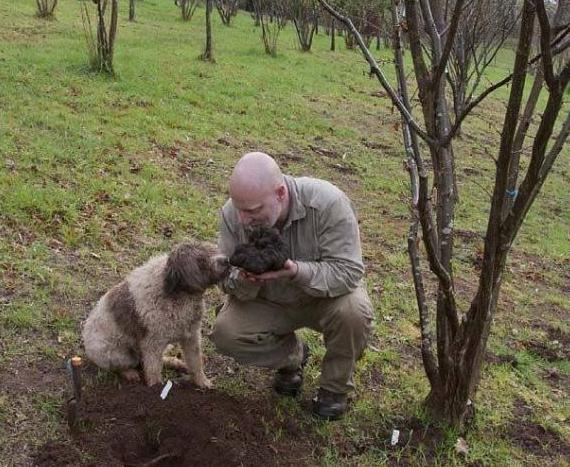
[328, 418]
[287, 392]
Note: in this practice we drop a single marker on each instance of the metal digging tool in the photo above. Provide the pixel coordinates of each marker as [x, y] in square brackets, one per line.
[74, 367]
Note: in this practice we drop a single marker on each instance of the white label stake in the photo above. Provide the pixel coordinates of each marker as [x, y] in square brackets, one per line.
[166, 389]
[395, 437]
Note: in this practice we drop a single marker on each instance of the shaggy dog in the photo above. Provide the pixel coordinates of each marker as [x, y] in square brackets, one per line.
[265, 251]
[158, 304]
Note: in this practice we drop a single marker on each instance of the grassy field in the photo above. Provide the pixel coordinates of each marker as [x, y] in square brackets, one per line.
[98, 174]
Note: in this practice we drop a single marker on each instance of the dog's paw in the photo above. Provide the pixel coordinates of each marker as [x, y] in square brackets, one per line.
[131, 375]
[153, 380]
[175, 363]
[203, 382]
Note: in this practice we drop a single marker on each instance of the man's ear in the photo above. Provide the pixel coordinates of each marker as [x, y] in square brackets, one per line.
[281, 192]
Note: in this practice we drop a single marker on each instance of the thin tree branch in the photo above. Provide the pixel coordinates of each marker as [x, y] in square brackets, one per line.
[556, 148]
[477, 315]
[449, 41]
[418, 178]
[430, 242]
[537, 171]
[432, 31]
[518, 142]
[420, 67]
[555, 51]
[545, 33]
[374, 68]
[430, 364]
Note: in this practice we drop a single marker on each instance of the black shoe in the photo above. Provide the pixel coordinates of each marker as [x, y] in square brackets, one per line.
[288, 382]
[329, 405]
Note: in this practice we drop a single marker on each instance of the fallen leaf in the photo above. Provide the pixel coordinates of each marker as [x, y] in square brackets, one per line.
[461, 447]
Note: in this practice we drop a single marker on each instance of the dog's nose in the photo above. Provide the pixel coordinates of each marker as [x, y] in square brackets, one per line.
[223, 262]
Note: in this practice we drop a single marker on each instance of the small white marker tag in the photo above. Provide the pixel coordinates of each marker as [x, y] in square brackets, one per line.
[395, 437]
[166, 389]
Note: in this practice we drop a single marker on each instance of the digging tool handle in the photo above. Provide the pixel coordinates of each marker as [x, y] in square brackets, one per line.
[76, 377]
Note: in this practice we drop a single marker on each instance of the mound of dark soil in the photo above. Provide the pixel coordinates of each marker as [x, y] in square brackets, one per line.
[133, 426]
[538, 440]
[534, 438]
[555, 348]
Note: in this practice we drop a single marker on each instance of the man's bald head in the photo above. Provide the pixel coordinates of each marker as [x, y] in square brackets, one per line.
[258, 190]
[255, 172]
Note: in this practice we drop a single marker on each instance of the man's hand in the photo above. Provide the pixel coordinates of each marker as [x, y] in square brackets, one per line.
[289, 271]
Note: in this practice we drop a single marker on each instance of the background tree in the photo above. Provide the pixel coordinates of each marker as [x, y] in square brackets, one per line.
[272, 18]
[46, 8]
[227, 9]
[304, 14]
[187, 8]
[485, 27]
[365, 15]
[208, 54]
[453, 367]
[132, 10]
[101, 45]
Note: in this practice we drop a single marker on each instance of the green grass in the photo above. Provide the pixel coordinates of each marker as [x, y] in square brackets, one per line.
[97, 174]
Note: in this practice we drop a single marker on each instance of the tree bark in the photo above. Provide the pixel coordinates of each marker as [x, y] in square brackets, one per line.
[421, 207]
[208, 54]
[466, 353]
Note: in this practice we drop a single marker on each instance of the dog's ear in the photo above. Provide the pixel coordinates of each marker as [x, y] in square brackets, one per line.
[187, 269]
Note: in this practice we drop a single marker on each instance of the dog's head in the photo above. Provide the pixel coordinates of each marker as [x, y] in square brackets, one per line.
[193, 267]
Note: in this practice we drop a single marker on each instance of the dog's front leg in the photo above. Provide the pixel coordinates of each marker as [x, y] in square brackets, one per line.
[192, 347]
[152, 361]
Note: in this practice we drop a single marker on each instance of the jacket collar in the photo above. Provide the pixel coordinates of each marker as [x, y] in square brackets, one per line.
[296, 209]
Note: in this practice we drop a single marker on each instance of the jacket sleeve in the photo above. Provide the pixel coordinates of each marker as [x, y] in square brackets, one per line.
[227, 242]
[340, 267]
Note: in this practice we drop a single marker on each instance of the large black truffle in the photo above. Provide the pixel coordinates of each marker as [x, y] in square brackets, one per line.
[265, 251]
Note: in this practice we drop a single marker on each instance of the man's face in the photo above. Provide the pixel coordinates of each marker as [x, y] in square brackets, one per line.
[257, 209]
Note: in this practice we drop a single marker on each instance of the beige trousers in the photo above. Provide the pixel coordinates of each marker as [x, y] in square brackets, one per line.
[262, 333]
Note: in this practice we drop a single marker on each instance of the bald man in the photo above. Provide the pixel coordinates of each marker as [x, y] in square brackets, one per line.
[319, 287]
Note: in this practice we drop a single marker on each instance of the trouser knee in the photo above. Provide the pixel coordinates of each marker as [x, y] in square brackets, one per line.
[222, 336]
[258, 347]
[351, 318]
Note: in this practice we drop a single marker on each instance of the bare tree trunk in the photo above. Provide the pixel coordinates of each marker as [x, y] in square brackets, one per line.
[105, 44]
[45, 8]
[518, 142]
[272, 18]
[304, 14]
[187, 8]
[420, 202]
[208, 54]
[227, 9]
[132, 10]
[333, 34]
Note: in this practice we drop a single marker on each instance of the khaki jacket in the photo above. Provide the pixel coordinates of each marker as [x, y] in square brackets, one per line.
[323, 237]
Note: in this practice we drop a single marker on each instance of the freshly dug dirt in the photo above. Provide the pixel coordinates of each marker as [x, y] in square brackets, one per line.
[555, 348]
[534, 438]
[538, 440]
[133, 426]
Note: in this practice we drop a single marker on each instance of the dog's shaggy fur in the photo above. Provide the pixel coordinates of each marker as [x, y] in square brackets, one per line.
[158, 304]
[265, 251]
